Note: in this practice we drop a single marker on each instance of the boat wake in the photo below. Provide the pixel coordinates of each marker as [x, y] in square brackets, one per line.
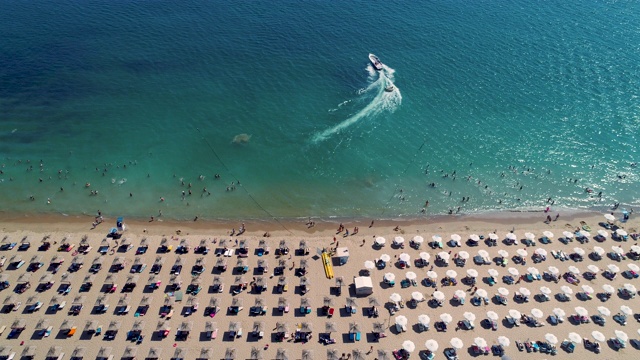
[386, 98]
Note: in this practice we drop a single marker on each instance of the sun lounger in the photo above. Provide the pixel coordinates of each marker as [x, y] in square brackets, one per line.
[214, 334]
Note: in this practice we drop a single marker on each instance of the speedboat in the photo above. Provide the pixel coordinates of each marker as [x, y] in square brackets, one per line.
[377, 64]
[389, 88]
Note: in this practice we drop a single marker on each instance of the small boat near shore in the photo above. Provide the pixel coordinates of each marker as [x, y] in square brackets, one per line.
[389, 88]
[377, 64]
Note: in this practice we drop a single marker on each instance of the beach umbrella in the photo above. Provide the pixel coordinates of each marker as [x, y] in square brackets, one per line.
[529, 236]
[533, 271]
[451, 273]
[282, 354]
[330, 327]
[385, 257]
[492, 315]
[613, 268]
[380, 240]
[418, 239]
[545, 290]
[603, 233]
[307, 354]
[29, 351]
[621, 232]
[382, 355]
[332, 354]
[522, 252]
[456, 237]
[604, 311]
[463, 255]
[404, 257]
[633, 267]
[585, 233]
[515, 314]
[481, 292]
[559, 312]
[379, 327]
[42, 324]
[579, 251]
[593, 268]
[548, 234]
[78, 352]
[444, 255]
[504, 341]
[446, 318]
[357, 354]
[460, 293]
[395, 297]
[373, 301]
[524, 291]
[567, 290]
[480, 342]
[472, 272]
[626, 310]
[493, 236]
[327, 301]
[483, 253]
[432, 274]
[630, 288]
[598, 250]
[399, 240]
[469, 316]
[541, 252]
[417, 296]
[408, 345]
[574, 270]
[581, 311]
[390, 277]
[503, 253]
[230, 354]
[436, 238]
[552, 339]
[369, 265]
[431, 345]
[401, 320]
[608, 288]
[493, 272]
[438, 295]
[513, 271]
[411, 275]
[597, 335]
[567, 234]
[511, 236]
[456, 343]
[474, 237]
[635, 249]
[554, 270]
[609, 217]
[536, 313]
[617, 249]
[425, 256]
[574, 337]
[588, 289]
[424, 319]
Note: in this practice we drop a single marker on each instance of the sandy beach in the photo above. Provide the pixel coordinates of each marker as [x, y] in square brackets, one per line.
[198, 344]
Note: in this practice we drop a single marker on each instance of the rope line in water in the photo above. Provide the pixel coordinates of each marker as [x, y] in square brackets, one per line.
[386, 206]
[242, 186]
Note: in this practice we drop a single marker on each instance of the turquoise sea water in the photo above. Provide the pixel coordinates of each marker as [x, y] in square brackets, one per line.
[511, 94]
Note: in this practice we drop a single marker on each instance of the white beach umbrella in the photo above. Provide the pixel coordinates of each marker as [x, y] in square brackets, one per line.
[432, 274]
[504, 341]
[503, 291]
[395, 297]
[559, 312]
[472, 272]
[579, 251]
[621, 232]
[425, 256]
[424, 319]
[444, 255]
[581, 311]
[493, 236]
[626, 310]
[618, 250]
[451, 273]
[511, 236]
[552, 339]
[608, 288]
[567, 290]
[401, 320]
[593, 268]
[621, 335]
[369, 265]
[515, 314]
[456, 237]
[525, 292]
[436, 238]
[630, 288]
[408, 345]
[548, 234]
[380, 240]
[574, 337]
[460, 293]
[554, 270]
[456, 343]
[568, 234]
[438, 295]
[522, 252]
[598, 250]
[503, 253]
[469, 316]
[399, 240]
[513, 271]
[529, 235]
[405, 257]
[633, 267]
[446, 318]
[493, 272]
[418, 239]
[613, 268]
[481, 293]
[417, 296]
[411, 275]
[385, 257]
[480, 342]
[536, 313]
[635, 249]
[483, 253]
[545, 290]
[390, 276]
[603, 233]
[492, 315]
[604, 311]
[463, 255]
[533, 271]
[585, 233]
[609, 217]
[431, 345]
[574, 270]
[541, 252]
[588, 289]
[597, 335]
[474, 237]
